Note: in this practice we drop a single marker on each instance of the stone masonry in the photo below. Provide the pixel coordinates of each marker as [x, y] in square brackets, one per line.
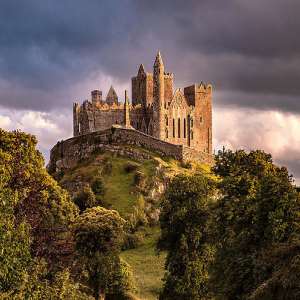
[66, 154]
[183, 117]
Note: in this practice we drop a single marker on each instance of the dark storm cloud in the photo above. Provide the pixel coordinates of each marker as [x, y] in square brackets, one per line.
[249, 50]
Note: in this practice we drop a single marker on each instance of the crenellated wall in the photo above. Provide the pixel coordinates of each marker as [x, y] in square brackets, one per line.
[66, 154]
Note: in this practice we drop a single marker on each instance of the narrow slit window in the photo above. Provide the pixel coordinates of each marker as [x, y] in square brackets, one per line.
[179, 127]
[173, 128]
[184, 128]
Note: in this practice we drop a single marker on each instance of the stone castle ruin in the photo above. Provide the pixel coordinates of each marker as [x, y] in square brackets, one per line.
[176, 124]
[183, 117]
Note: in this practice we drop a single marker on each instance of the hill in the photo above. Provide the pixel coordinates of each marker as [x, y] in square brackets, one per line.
[133, 186]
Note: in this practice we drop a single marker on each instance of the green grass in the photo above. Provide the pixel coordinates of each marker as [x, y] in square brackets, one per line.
[119, 185]
[148, 267]
[120, 191]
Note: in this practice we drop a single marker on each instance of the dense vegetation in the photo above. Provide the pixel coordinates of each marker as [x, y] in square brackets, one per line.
[240, 241]
[227, 233]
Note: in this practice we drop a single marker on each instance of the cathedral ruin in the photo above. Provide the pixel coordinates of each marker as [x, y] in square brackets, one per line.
[183, 117]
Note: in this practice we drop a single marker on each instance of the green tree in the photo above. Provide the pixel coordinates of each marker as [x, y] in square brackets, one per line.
[258, 210]
[34, 217]
[98, 234]
[185, 235]
[14, 243]
[41, 203]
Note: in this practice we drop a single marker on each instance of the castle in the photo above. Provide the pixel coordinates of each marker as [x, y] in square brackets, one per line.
[183, 117]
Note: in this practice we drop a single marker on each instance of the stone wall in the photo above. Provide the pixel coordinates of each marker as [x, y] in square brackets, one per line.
[66, 154]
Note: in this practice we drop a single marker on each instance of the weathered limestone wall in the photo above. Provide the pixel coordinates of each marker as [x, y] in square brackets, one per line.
[68, 153]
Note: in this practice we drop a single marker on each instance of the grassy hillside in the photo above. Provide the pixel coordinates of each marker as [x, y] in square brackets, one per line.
[125, 181]
[147, 265]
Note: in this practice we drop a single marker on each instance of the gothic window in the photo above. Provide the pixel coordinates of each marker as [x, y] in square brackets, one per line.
[179, 127]
[173, 128]
[167, 121]
[192, 135]
[167, 134]
[192, 122]
[184, 128]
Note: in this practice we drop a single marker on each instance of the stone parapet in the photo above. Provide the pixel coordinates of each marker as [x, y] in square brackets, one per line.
[66, 154]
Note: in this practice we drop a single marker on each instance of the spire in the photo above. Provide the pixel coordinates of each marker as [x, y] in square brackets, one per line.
[158, 60]
[141, 70]
[126, 111]
[112, 96]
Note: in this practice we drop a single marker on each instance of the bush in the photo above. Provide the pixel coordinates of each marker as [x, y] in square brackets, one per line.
[186, 165]
[98, 186]
[139, 179]
[107, 167]
[138, 217]
[86, 199]
[130, 167]
[133, 240]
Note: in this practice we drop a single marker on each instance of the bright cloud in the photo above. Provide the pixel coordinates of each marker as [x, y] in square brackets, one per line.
[5, 122]
[272, 131]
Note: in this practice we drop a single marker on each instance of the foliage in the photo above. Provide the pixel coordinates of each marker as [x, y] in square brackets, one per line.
[98, 186]
[258, 210]
[184, 221]
[98, 234]
[14, 243]
[36, 285]
[86, 199]
[41, 203]
[283, 282]
[130, 167]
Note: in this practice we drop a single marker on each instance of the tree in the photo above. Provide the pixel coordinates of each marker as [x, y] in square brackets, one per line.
[98, 234]
[40, 203]
[185, 235]
[14, 243]
[258, 210]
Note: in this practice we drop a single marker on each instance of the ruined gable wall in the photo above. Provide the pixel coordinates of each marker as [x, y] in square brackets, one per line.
[142, 89]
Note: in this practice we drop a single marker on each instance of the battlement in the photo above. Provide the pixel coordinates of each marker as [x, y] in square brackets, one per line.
[181, 118]
[168, 75]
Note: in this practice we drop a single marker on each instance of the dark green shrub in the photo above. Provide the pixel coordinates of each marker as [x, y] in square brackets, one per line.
[98, 186]
[133, 240]
[130, 167]
[86, 199]
[139, 178]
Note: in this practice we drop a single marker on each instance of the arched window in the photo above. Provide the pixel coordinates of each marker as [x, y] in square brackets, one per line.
[179, 127]
[167, 133]
[184, 128]
[173, 128]
[192, 122]
[201, 119]
[167, 121]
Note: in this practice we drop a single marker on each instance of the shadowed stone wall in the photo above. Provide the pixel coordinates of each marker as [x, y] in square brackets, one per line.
[66, 154]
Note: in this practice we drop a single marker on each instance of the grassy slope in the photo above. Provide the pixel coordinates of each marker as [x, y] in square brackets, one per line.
[148, 267]
[121, 195]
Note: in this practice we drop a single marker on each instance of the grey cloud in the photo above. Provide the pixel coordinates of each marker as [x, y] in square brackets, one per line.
[245, 48]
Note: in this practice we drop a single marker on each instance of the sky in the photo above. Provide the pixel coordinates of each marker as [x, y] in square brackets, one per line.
[54, 52]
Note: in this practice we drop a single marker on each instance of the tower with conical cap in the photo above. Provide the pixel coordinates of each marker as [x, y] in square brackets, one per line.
[158, 97]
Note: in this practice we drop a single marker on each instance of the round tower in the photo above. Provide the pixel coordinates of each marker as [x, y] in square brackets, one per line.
[158, 97]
